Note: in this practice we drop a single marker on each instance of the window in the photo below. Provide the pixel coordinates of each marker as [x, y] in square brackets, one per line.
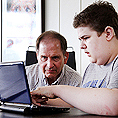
[21, 25]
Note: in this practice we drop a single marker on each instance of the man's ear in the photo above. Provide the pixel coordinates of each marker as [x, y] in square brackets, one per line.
[66, 56]
[109, 32]
[37, 55]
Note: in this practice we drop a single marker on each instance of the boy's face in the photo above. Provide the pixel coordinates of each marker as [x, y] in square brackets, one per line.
[96, 47]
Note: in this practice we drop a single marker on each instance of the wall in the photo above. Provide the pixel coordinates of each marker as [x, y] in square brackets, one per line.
[59, 16]
[67, 13]
[0, 31]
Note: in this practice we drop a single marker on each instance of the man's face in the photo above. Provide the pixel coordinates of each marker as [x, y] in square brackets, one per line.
[51, 58]
[96, 47]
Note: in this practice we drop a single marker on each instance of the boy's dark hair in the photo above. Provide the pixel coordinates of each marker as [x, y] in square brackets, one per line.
[98, 16]
[52, 34]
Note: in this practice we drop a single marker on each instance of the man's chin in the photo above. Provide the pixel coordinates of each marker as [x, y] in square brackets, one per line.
[50, 76]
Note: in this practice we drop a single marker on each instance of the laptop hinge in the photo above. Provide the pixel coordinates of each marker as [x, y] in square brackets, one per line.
[14, 104]
[22, 108]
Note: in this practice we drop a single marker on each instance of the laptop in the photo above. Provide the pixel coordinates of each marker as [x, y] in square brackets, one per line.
[15, 93]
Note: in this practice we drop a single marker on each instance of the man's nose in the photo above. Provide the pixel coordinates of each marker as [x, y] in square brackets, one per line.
[83, 45]
[50, 63]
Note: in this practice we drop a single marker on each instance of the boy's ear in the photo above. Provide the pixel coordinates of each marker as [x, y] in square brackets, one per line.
[109, 32]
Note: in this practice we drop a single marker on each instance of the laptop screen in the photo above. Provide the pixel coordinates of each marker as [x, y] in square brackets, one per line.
[14, 87]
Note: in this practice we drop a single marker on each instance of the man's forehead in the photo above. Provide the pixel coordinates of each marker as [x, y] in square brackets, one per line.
[52, 48]
[49, 39]
[50, 45]
[50, 53]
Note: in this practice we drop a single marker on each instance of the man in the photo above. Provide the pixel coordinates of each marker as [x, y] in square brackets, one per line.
[51, 68]
[97, 28]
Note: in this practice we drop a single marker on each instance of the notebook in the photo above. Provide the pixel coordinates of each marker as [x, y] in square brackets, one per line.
[15, 93]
